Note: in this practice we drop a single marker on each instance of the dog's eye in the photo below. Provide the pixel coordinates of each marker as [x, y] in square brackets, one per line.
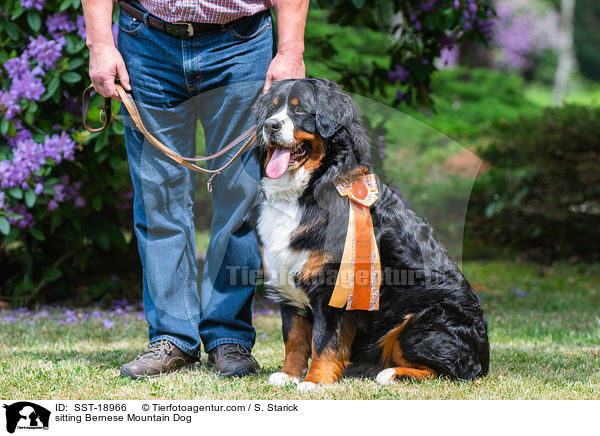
[299, 110]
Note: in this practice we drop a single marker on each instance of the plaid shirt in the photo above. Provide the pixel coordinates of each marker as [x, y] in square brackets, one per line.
[204, 11]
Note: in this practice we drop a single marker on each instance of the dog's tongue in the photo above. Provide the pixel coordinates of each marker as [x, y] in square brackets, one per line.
[278, 163]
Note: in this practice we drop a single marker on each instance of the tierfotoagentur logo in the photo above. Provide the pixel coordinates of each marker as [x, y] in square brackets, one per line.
[26, 416]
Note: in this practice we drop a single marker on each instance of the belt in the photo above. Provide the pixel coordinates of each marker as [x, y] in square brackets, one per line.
[179, 29]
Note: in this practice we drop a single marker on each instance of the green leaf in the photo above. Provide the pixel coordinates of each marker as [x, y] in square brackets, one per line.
[76, 63]
[101, 239]
[97, 203]
[4, 126]
[37, 234]
[52, 87]
[30, 198]
[71, 77]
[12, 31]
[115, 161]
[4, 226]
[358, 4]
[16, 192]
[51, 273]
[12, 235]
[34, 20]
[17, 13]
[64, 5]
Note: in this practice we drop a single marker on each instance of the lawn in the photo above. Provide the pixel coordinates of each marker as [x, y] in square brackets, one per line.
[544, 332]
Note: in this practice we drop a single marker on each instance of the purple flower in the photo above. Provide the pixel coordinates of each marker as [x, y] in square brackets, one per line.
[42, 314]
[58, 23]
[52, 205]
[71, 105]
[1, 200]
[519, 293]
[79, 202]
[59, 147]
[97, 314]
[9, 319]
[115, 33]
[108, 324]
[418, 26]
[46, 52]
[30, 4]
[398, 73]
[17, 66]
[26, 219]
[81, 26]
[39, 188]
[456, 4]
[9, 102]
[428, 5]
[140, 315]
[28, 86]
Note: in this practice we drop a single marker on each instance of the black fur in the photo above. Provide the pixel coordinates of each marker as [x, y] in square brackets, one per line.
[448, 330]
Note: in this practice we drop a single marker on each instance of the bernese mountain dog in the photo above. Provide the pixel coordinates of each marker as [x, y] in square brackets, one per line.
[429, 322]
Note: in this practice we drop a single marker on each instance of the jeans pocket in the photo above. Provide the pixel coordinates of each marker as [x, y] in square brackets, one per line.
[129, 25]
[250, 27]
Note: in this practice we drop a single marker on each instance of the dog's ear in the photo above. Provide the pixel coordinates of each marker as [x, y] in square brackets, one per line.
[335, 110]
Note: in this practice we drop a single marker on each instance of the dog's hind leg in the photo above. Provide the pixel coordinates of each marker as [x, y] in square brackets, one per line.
[393, 358]
[416, 372]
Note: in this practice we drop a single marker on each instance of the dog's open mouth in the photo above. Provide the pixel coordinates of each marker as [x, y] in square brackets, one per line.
[283, 158]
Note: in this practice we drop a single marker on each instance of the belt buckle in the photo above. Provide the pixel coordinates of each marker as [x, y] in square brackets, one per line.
[190, 27]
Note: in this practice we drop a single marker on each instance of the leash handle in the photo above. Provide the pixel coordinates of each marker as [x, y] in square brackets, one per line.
[127, 100]
[105, 113]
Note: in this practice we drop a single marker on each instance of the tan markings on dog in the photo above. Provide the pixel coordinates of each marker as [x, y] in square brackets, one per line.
[294, 101]
[328, 366]
[389, 343]
[392, 356]
[314, 264]
[307, 228]
[416, 373]
[297, 347]
[317, 149]
[275, 101]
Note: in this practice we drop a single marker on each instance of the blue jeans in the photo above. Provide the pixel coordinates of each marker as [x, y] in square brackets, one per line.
[215, 78]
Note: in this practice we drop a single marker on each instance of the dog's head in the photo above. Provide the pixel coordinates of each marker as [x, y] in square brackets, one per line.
[297, 121]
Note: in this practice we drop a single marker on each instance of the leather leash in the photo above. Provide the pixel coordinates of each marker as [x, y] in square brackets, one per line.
[188, 162]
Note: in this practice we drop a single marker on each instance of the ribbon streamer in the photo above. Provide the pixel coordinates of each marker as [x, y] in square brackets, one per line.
[359, 277]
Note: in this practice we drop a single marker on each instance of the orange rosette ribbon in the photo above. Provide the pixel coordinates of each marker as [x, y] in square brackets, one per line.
[359, 278]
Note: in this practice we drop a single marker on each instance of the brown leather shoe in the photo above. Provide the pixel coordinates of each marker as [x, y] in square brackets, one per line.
[232, 360]
[161, 357]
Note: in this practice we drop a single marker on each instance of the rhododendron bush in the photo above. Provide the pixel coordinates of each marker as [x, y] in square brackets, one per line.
[58, 184]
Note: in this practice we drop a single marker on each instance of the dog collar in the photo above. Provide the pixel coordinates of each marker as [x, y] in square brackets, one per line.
[359, 277]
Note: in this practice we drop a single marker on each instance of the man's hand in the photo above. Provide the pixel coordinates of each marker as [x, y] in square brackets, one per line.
[106, 64]
[291, 20]
[284, 66]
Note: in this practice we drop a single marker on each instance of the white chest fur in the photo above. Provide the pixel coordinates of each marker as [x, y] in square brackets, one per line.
[279, 219]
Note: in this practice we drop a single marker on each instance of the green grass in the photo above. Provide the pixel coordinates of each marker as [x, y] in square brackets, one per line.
[545, 345]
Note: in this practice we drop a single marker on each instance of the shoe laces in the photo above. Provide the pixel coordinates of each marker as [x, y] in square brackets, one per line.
[235, 350]
[155, 349]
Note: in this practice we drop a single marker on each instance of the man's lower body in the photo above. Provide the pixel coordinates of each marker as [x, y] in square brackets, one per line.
[214, 78]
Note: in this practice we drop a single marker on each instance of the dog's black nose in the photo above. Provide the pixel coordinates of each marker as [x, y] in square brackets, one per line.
[272, 125]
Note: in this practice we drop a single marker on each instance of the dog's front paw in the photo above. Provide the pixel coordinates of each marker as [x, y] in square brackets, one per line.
[307, 386]
[386, 376]
[281, 379]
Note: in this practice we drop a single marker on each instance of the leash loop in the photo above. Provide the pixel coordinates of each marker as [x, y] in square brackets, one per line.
[105, 117]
